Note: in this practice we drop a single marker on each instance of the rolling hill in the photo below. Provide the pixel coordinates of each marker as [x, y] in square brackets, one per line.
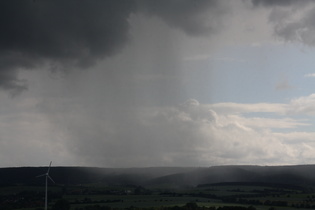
[300, 175]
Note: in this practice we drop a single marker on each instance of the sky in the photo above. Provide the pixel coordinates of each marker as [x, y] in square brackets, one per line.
[145, 83]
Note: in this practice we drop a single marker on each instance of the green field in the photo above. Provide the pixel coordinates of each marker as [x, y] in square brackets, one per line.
[259, 196]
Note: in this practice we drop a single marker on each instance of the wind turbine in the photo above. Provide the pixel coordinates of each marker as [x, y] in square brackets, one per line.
[47, 176]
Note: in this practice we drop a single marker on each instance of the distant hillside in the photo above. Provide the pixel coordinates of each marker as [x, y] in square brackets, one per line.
[301, 175]
[82, 175]
[293, 175]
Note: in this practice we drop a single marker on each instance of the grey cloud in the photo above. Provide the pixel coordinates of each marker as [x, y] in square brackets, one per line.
[271, 3]
[196, 17]
[132, 137]
[299, 29]
[76, 34]
[293, 20]
[12, 84]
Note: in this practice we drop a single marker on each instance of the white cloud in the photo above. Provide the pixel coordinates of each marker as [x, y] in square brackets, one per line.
[259, 122]
[303, 105]
[310, 75]
[297, 137]
[228, 137]
[248, 108]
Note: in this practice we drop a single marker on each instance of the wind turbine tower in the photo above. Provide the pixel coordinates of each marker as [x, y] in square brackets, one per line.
[47, 176]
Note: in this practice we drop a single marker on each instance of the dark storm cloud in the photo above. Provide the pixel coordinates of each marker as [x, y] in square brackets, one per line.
[293, 20]
[75, 34]
[64, 29]
[8, 79]
[65, 33]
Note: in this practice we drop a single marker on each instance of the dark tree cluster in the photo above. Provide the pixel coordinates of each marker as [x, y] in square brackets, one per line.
[187, 206]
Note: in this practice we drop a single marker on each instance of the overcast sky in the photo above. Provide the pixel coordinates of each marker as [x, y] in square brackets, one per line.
[138, 83]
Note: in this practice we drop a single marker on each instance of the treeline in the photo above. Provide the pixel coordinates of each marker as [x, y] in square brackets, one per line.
[188, 206]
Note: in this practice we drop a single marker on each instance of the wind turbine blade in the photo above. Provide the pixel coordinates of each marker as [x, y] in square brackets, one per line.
[49, 167]
[51, 179]
[41, 175]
